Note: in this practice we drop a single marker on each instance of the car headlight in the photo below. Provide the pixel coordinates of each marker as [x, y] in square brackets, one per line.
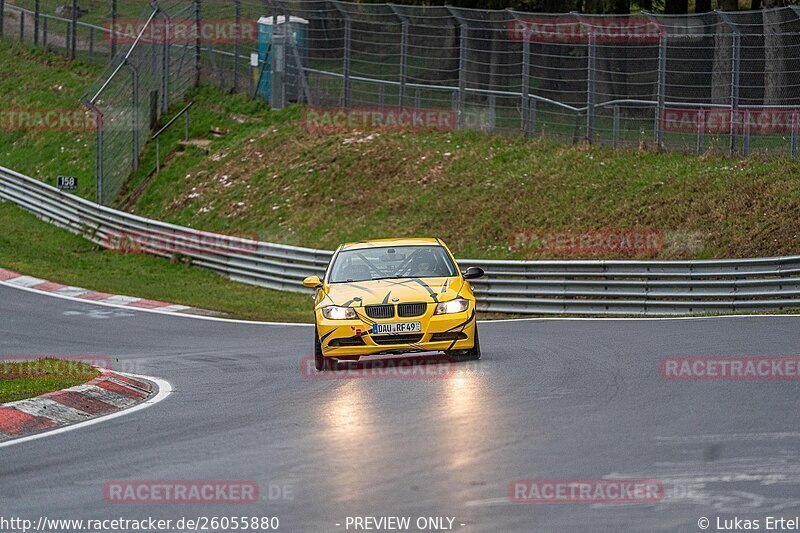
[459, 305]
[335, 312]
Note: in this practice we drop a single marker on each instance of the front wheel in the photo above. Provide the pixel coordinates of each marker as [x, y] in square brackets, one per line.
[321, 363]
[473, 354]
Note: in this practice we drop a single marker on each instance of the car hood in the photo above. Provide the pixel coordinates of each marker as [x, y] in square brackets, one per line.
[429, 290]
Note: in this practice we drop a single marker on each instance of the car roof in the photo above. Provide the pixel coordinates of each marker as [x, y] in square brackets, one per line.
[360, 245]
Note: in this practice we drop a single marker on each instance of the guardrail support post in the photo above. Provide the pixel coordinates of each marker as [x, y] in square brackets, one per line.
[74, 41]
[44, 32]
[2, 16]
[21, 26]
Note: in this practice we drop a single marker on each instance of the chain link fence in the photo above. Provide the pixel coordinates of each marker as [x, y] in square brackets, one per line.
[724, 81]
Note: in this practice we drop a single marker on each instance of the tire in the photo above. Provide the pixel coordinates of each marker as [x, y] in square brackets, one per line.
[473, 354]
[321, 363]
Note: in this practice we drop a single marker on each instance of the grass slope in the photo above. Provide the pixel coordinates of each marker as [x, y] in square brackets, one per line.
[272, 177]
[36, 81]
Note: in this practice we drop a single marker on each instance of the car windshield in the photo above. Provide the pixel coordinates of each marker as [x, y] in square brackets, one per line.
[392, 262]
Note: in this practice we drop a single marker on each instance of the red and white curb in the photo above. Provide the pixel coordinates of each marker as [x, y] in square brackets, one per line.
[15, 279]
[110, 394]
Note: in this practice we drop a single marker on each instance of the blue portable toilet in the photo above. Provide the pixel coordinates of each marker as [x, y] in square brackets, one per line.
[297, 26]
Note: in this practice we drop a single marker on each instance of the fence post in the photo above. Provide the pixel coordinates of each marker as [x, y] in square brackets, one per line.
[165, 63]
[615, 126]
[701, 127]
[746, 140]
[91, 42]
[2, 16]
[492, 112]
[197, 22]
[525, 101]
[735, 74]
[113, 36]
[591, 54]
[346, 54]
[532, 117]
[462, 65]
[99, 155]
[403, 53]
[73, 43]
[794, 134]
[135, 117]
[237, 9]
[37, 10]
[21, 26]
[658, 133]
[735, 89]
[44, 32]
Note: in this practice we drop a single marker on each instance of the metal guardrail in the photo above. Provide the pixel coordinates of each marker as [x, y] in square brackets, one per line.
[525, 287]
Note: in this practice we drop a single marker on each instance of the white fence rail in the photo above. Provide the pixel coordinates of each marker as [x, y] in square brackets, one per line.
[525, 287]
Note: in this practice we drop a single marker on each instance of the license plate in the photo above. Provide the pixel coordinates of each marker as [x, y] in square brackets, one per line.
[396, 327]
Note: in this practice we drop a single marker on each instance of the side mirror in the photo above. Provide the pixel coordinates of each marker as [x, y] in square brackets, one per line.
[312, 282]
[473, 272]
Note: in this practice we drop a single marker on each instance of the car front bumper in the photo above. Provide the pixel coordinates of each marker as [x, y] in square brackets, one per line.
[350, 338]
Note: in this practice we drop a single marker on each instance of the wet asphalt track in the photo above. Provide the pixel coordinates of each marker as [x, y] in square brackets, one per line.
[553, 399]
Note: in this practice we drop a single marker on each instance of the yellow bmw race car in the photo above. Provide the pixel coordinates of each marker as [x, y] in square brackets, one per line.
[393, 296]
